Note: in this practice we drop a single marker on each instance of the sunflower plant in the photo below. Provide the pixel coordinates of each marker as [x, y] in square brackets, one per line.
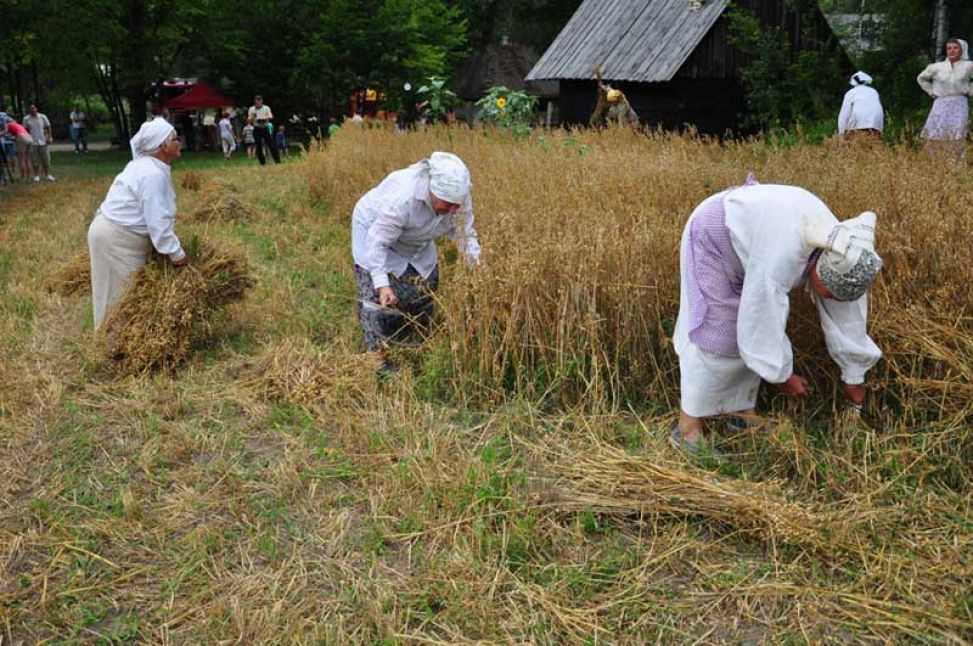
[507, 108]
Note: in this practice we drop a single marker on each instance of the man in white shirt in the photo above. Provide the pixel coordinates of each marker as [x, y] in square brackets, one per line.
[260, 116]
[394, 228]
[861, 116]
[79, 130]
[138, 214]
[39, 128]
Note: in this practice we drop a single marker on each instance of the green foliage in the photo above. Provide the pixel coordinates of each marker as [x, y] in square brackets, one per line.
[783, 87]
[507, 108]
[437, 99]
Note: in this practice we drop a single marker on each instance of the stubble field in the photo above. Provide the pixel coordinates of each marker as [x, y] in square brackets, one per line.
[512, 484]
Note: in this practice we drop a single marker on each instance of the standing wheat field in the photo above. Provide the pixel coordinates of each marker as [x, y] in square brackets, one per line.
[513, 485]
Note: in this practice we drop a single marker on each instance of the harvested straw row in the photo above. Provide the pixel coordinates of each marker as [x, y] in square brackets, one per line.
[317, 380]
[168, 311]
[221, 204]
[73, 278]
[192, 180]
[607, 479]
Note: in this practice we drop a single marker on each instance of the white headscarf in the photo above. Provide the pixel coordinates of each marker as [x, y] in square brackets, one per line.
[848, 263]
[965, 56]
[449, 179]
[860, 78]
[150, 136]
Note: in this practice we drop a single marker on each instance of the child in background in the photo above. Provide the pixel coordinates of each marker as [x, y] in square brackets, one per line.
[227, 139]
[282, 141]
[248, 140]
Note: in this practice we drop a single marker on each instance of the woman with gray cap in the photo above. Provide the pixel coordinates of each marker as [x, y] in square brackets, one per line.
[138, 214]
[742, 251]
[394, 228]
[861, 116]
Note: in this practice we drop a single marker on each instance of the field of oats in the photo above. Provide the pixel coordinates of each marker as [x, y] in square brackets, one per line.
[512, 484]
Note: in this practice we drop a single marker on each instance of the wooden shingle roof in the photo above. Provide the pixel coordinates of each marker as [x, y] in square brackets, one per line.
[633, 40]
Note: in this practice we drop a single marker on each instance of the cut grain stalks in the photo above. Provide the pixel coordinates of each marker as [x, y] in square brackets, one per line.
[73, 278]
[606, 479]
[318, 380]
[222, 204]
[168, 311]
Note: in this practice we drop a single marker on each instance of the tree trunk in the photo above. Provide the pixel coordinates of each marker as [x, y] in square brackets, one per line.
[941, 29]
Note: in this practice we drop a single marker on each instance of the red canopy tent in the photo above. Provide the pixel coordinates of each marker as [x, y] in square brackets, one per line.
[199, 96]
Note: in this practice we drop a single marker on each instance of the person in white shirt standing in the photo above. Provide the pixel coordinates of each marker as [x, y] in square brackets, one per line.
[138, 213]
[861, 115]
[227, 138]
[394, 227]
[742, 251]
[260, 116]
[79, 130]
[950, 84]
[39, 128]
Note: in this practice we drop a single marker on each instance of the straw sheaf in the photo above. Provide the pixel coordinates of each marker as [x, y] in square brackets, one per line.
[607, 479]
[168, 311]
[73, 278]
[319, 380]
[221, 203]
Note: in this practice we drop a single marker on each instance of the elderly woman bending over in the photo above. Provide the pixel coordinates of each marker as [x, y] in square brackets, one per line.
[138, 213]
[393, 231]
[742, 251]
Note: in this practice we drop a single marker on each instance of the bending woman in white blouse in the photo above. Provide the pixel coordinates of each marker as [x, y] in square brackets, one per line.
[949, 83]
[393, 232]
[742, 251]
[138, 213]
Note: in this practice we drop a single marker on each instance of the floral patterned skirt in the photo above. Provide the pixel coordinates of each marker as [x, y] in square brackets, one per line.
[948, 120]
[410, 316]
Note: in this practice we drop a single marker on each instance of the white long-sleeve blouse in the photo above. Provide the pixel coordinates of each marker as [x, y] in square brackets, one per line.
[143, 200]
[394, 226]
[947, 79]
[861, 110]
[766, 228]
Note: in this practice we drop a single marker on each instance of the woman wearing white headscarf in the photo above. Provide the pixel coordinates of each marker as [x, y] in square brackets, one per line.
[138, 214]
[394, 227]
[950, 84]
[742, 251]
[861, 115]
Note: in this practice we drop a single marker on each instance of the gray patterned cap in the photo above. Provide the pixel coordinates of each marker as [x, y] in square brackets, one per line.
[850, 285]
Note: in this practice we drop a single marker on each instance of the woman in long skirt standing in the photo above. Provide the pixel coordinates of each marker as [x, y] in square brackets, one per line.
[950, 84]
[138, 214]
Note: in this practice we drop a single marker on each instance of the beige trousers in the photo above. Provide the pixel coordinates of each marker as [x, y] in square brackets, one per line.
[115, 253]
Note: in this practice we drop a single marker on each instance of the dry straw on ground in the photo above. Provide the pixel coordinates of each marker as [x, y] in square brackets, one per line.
[73, 278]
[167, 311]
[222, 203]
[317, 379]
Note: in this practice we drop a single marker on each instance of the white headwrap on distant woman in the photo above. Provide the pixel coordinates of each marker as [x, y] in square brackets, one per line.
[860, 78]
[150, 136]
[965, 56]
[848, 263]
[449, 179]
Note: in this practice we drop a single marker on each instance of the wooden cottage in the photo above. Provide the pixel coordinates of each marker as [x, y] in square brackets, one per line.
[672, 58]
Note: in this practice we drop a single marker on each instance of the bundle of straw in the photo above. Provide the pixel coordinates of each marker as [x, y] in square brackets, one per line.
[316, 379]
[168, 311]
[609, 480]
[73, 278]
[220, 203]
[192, 180]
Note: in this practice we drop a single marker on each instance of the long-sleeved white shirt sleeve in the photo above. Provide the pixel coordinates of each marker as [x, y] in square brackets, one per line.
[384, 230]
[762, 326]
[142, 199]
[465, 239]
[861, 109]
[947, 79]
[844, 326]
[160, 216]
